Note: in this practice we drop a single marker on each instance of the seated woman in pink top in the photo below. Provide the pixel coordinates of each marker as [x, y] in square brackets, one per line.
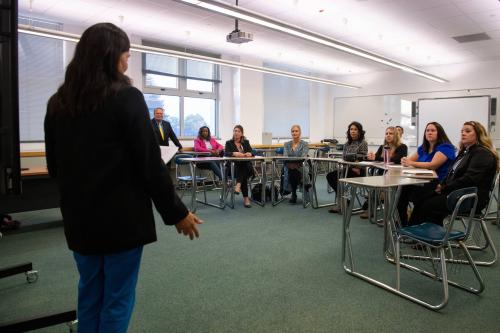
[205, 143]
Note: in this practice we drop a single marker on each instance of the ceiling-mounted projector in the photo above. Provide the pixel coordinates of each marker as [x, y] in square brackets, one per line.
[238, 37]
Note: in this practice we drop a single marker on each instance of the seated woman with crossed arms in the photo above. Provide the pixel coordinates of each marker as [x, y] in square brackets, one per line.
[294, 170]
[475, 166]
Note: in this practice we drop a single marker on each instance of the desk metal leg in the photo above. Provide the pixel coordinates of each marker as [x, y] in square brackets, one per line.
[192, 167]
[233, 183]
[306, 196]
[222, 202]
[346, 235]
[314, 193]
[275, 201]
[263, 184]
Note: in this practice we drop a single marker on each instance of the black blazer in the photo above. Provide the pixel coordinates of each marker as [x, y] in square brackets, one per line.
[477, 168]
[400, 152]
[167, 131]
[108, 175]
[231, 147]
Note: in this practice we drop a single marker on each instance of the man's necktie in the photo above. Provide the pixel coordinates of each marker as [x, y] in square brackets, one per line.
[161, 131]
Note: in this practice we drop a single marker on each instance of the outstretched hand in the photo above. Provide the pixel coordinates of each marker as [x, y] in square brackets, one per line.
[187, 226]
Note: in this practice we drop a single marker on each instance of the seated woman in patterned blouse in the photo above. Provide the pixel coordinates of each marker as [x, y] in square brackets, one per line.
[357, 147]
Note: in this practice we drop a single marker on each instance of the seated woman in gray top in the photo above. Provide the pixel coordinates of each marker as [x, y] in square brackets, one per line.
[294, 170]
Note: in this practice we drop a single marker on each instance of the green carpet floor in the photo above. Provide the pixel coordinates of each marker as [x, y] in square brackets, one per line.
[264, 269]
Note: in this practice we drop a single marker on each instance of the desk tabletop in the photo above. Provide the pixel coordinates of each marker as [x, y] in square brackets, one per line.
[219, 159]
[34, 171]
[289, 158]
[383, 181]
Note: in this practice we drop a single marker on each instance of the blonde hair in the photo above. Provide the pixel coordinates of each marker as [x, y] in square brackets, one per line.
[483, 138]
[296, 126]
[397, 138]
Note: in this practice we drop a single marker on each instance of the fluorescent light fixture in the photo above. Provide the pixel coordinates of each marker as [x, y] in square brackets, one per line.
[265, 21]
[161, 51]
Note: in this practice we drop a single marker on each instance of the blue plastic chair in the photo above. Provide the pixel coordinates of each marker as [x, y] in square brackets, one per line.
[432, 237]
[183, 174]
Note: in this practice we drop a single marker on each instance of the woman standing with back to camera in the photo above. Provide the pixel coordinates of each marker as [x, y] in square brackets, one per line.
[101, 149]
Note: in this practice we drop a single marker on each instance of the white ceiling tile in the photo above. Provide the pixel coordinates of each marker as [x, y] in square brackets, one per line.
[415, 32]
[474, 6]
[456, 26]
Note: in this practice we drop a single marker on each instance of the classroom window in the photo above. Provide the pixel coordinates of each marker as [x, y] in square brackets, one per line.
[170, 105]
[186, 89]
[41, 71]
[198, 112]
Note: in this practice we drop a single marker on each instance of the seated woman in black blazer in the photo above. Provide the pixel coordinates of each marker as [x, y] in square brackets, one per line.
[239, 146]
[475, 166]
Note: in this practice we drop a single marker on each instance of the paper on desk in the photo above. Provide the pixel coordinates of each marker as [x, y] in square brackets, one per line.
[167, 152]
[395, 166]
[418, 172]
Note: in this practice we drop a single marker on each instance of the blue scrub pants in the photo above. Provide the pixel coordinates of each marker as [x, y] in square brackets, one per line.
[106, 291]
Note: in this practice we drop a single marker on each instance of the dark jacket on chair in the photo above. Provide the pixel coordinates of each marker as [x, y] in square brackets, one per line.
[477, 168]
[108, 175]
[168, 132]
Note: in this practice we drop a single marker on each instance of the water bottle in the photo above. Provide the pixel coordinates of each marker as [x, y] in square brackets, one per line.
[385, 155]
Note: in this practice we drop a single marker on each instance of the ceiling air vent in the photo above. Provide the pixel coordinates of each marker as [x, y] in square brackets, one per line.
[471, 38]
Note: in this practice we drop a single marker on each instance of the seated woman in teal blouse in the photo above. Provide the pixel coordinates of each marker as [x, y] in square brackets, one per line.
[294, 170]
[436, 153]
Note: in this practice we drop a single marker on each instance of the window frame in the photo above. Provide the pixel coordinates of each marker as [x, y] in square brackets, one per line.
[182, 92]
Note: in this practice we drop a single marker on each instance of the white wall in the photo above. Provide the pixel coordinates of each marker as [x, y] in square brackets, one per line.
[479, 78]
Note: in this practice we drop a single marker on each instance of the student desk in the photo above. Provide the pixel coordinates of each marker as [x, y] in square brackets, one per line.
[274, 168]
[193, 161]
[391, 185]
[341, 166]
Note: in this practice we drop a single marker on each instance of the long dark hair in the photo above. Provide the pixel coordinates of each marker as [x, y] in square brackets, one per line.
[92, 75]
[441, 138]
[201, 130]
[361, 132]
[242, 132]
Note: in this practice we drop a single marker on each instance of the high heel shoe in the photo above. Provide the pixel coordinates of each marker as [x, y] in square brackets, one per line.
[246, 203]
[237, 188]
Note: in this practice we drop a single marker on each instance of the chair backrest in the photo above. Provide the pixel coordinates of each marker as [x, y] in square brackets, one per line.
[461, 200]
[178, 159]
[492, 196]
[181, 167]
[256, 152]
[322, 151]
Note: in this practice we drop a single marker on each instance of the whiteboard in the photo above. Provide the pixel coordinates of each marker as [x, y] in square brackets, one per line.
[452, 113]
[375, 113]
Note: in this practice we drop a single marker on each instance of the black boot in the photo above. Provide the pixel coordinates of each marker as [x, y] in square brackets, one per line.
[293, 199]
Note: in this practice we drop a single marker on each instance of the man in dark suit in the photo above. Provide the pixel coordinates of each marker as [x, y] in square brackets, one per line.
[163, 130]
